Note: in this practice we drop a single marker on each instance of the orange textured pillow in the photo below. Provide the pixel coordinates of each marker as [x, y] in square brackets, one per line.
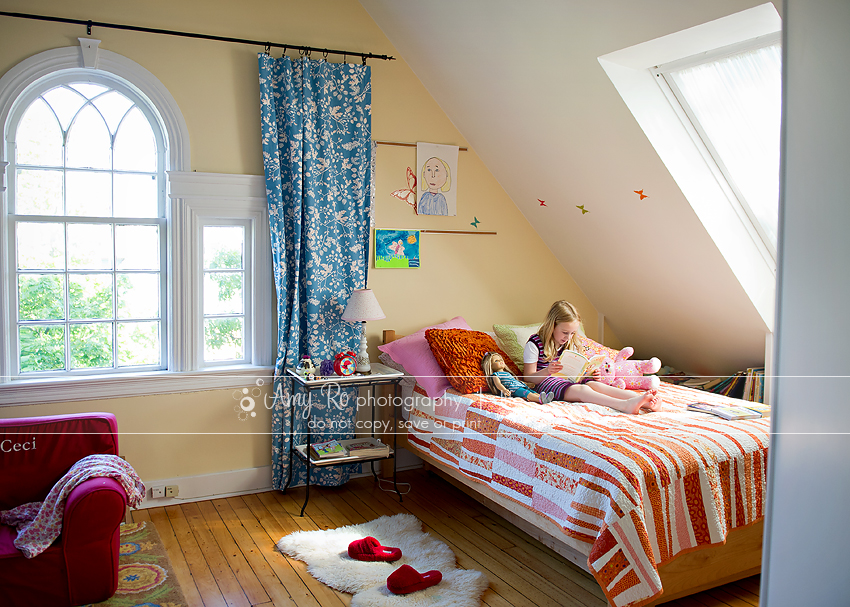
[459, 353]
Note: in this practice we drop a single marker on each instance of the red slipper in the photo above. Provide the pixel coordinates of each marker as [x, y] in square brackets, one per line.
[406, 579]
[370, 549]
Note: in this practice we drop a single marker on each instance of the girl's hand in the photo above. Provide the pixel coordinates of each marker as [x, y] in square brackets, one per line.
[597, 374]
[555, 367]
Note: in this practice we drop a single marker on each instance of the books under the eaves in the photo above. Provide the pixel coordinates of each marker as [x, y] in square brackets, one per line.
[577, 366]
[327, 449]
[366, 447]
[730, 412]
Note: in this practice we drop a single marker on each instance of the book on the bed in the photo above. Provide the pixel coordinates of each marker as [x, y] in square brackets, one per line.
[731, 412]
[577, 366]
[763, 410]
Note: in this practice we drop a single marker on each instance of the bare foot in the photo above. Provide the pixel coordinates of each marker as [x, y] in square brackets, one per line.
[633, 405]
[654, 403]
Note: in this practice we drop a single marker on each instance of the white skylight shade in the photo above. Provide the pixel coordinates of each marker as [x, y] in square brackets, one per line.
[736, 103]
[363, 305]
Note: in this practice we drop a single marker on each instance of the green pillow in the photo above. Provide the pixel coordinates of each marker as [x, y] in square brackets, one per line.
[512, 339]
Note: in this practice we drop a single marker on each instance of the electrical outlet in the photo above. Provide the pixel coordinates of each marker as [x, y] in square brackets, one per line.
[171, 490]
[157, 492]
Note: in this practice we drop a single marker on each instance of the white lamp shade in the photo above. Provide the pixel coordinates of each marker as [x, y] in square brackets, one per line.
[362, 306]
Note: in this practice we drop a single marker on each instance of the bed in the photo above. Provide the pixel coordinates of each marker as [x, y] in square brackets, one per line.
[655, 506]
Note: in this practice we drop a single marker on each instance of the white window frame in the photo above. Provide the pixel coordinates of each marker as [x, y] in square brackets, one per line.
[632, 71]
[199, 199]
[701, 139]
[21, 105]
[247, 299]
[190, 197]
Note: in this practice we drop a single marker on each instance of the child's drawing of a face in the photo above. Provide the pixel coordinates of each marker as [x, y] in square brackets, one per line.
[435, 175]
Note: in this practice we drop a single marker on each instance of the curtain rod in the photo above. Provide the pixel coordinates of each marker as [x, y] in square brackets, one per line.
[135, 28]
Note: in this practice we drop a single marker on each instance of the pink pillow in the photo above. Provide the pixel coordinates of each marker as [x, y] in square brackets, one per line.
[414, 354]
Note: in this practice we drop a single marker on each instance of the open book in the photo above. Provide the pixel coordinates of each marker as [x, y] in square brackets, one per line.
[577, 366]
[730, 412]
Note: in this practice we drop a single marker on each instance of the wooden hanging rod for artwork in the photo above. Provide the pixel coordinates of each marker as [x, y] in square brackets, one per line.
[408, 145]
[456, 232]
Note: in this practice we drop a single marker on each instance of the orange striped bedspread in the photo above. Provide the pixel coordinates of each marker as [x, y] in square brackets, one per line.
[639, 489]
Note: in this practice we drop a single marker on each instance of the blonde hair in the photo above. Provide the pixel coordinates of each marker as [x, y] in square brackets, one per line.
[487, 368]
[446, 186]
[561, 311]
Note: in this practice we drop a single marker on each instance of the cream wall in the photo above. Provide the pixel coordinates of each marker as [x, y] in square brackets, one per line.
[508, 278]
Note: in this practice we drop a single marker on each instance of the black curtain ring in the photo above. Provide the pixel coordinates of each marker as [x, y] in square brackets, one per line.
[364, 59]
[88, 27]
[343, 57]
[268, 49]
[325, 55]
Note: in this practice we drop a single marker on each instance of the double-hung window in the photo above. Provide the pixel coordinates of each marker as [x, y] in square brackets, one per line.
[87, 232]
[115, 261]
[226, 291]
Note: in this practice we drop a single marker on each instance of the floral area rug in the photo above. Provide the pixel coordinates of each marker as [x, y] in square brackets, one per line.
[145, 575]
[326, 555]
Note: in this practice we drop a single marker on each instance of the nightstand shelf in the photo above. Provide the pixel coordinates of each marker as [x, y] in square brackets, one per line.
[380, 375]
[301, 451]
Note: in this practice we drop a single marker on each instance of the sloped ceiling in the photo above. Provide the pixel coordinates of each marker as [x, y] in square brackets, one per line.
[522, 83]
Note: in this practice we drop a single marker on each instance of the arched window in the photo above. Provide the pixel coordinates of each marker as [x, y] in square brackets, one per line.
[115, 260]
[88, 230]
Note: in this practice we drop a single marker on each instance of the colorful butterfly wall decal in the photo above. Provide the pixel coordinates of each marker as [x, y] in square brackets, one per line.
[405, 194]
[475, 223]
[641, 194]
[542, 202]
[582, 209]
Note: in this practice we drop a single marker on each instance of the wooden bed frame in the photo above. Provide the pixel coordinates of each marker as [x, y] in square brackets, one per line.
[691, 572]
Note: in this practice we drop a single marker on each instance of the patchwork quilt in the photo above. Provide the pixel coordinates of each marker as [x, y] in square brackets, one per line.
[638, 489]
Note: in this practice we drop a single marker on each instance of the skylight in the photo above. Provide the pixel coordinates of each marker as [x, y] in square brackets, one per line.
[725, 166]
[734, 104]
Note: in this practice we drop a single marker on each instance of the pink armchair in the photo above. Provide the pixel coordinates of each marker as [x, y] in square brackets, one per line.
[81, 566]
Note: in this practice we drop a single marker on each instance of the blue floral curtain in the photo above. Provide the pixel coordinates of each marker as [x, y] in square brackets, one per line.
[316, 131]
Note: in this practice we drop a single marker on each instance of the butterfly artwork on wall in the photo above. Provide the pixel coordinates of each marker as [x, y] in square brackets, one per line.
[410, 191]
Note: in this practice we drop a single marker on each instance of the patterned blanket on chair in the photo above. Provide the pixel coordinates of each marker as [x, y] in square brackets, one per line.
[40, 523]
[639, 489]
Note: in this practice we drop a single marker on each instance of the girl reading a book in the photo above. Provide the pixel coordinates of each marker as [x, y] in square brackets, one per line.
[541, 364]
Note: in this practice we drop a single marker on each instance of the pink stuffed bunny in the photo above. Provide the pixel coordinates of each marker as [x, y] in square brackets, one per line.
[629, 374]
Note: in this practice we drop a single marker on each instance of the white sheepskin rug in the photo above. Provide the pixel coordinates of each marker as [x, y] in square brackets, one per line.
[326, 555]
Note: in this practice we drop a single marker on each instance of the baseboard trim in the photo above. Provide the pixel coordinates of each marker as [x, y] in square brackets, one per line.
[237, 482]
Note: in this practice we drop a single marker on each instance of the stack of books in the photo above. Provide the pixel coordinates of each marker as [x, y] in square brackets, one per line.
[732, 412]
[355, 447]
[366, 447]
[747, 385]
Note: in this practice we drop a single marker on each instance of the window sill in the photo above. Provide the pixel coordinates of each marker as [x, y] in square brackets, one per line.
[55, 390]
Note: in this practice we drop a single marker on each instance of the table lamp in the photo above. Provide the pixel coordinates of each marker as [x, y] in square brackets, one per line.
[363, 306]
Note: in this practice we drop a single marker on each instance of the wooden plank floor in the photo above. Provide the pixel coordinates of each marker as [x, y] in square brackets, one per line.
[223, 550]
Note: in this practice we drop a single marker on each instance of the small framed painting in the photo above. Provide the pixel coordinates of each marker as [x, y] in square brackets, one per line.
[396, 248]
